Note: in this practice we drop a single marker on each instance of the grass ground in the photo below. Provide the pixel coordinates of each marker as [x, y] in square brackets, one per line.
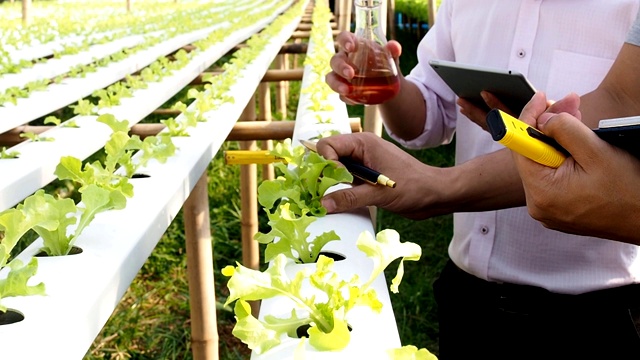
[152, 320]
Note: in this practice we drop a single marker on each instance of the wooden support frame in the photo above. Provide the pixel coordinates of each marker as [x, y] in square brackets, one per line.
[281, 86]
[259, 130]
[249, 203]
[272, 75]
[432, 9]
[202, 298]
[264, 115]
[26, 12]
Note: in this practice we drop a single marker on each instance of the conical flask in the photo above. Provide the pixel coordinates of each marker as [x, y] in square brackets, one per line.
[376, 75]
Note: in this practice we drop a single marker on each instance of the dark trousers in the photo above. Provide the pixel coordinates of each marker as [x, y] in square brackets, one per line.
[485, 320]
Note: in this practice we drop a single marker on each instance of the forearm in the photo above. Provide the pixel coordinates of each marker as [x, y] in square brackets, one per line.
[619, 93]
[488, 182]
[405, 114]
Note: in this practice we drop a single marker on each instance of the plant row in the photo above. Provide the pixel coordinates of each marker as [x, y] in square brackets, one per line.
[104, 185]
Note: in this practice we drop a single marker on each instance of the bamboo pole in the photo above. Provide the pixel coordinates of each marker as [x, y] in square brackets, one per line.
[372, 117]
[306, 34]
[264, 115]
[128, 5]
[275, 130]
[272, 75]
[391, 18]
[337, 12]
[432, 10]
[202, 298]
[281, 92]
[26, 12]
[249, 203]
[346, 15]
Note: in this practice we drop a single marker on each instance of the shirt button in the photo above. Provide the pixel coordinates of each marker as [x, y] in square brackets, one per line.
[521, 53]
[484, 230]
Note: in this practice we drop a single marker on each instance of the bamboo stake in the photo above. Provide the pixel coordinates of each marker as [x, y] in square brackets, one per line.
[202, 298]
[26, 12]
[391, 18]
[306, 34]
[274, 130]
[432, 9]
[249, 203]
[281, 92]
[337, 12]
[264, 115]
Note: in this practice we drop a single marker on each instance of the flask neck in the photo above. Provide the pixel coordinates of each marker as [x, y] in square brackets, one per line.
[368, 25]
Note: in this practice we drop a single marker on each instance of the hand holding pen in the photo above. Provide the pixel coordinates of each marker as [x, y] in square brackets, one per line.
[356, 169]
[414, 179]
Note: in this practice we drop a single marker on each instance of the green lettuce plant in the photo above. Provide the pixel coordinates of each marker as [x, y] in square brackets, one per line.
[306, 176]
[327, 321]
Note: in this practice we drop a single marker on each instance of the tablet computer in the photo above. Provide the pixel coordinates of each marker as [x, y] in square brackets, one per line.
[621, 132]
[467, 81]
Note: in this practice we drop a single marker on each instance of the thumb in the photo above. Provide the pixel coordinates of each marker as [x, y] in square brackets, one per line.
[395, 49]
[534, 108]
[576, 137]
[346, 199]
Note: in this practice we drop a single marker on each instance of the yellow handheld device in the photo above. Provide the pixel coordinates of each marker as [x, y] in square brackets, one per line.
[524, 139]
[246, 157]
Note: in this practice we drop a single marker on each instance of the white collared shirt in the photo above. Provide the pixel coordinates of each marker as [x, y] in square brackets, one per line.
[561, 46]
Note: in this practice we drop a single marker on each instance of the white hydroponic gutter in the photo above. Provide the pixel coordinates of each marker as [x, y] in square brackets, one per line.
[372, 333]
[38, 160]
[56, 96]
[54, 67]
[83, 290]
[41, 50]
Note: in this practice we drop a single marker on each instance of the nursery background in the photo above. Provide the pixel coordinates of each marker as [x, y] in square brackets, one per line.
[152, 321]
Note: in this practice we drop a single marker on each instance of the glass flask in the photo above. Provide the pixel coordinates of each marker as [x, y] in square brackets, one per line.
[376, 75]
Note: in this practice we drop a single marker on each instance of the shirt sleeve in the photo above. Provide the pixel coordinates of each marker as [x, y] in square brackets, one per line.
[634, 33]
[441, 116]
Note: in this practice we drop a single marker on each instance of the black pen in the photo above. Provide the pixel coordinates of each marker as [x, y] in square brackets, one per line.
[358, 170]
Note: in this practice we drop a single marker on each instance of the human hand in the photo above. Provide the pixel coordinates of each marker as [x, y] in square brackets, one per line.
[343, 70]
[417, 184]
[594, 192]
[479, 115]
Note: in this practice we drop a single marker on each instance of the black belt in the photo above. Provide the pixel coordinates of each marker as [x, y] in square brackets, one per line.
[526, 298]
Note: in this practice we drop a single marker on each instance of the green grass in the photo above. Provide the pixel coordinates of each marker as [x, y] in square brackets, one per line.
[152, 319]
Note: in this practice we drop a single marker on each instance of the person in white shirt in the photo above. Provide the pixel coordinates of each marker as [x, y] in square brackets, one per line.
[513, 289]
[600, 177]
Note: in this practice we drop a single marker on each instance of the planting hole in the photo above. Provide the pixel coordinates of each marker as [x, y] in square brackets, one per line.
[303, 330]
[333, 255]
[10, 317]
[330, 254]
[140, 176]
[74, 251]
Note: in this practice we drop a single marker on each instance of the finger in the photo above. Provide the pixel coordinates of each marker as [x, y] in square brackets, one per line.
[494, 103]
[534, 108]
[347, 145]
[576, 137]
[331, 147]
[395, 49]
[568, 104]
[337, 83]
[346, 41]
[341, 66]
[351, 198]
[474, 113]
